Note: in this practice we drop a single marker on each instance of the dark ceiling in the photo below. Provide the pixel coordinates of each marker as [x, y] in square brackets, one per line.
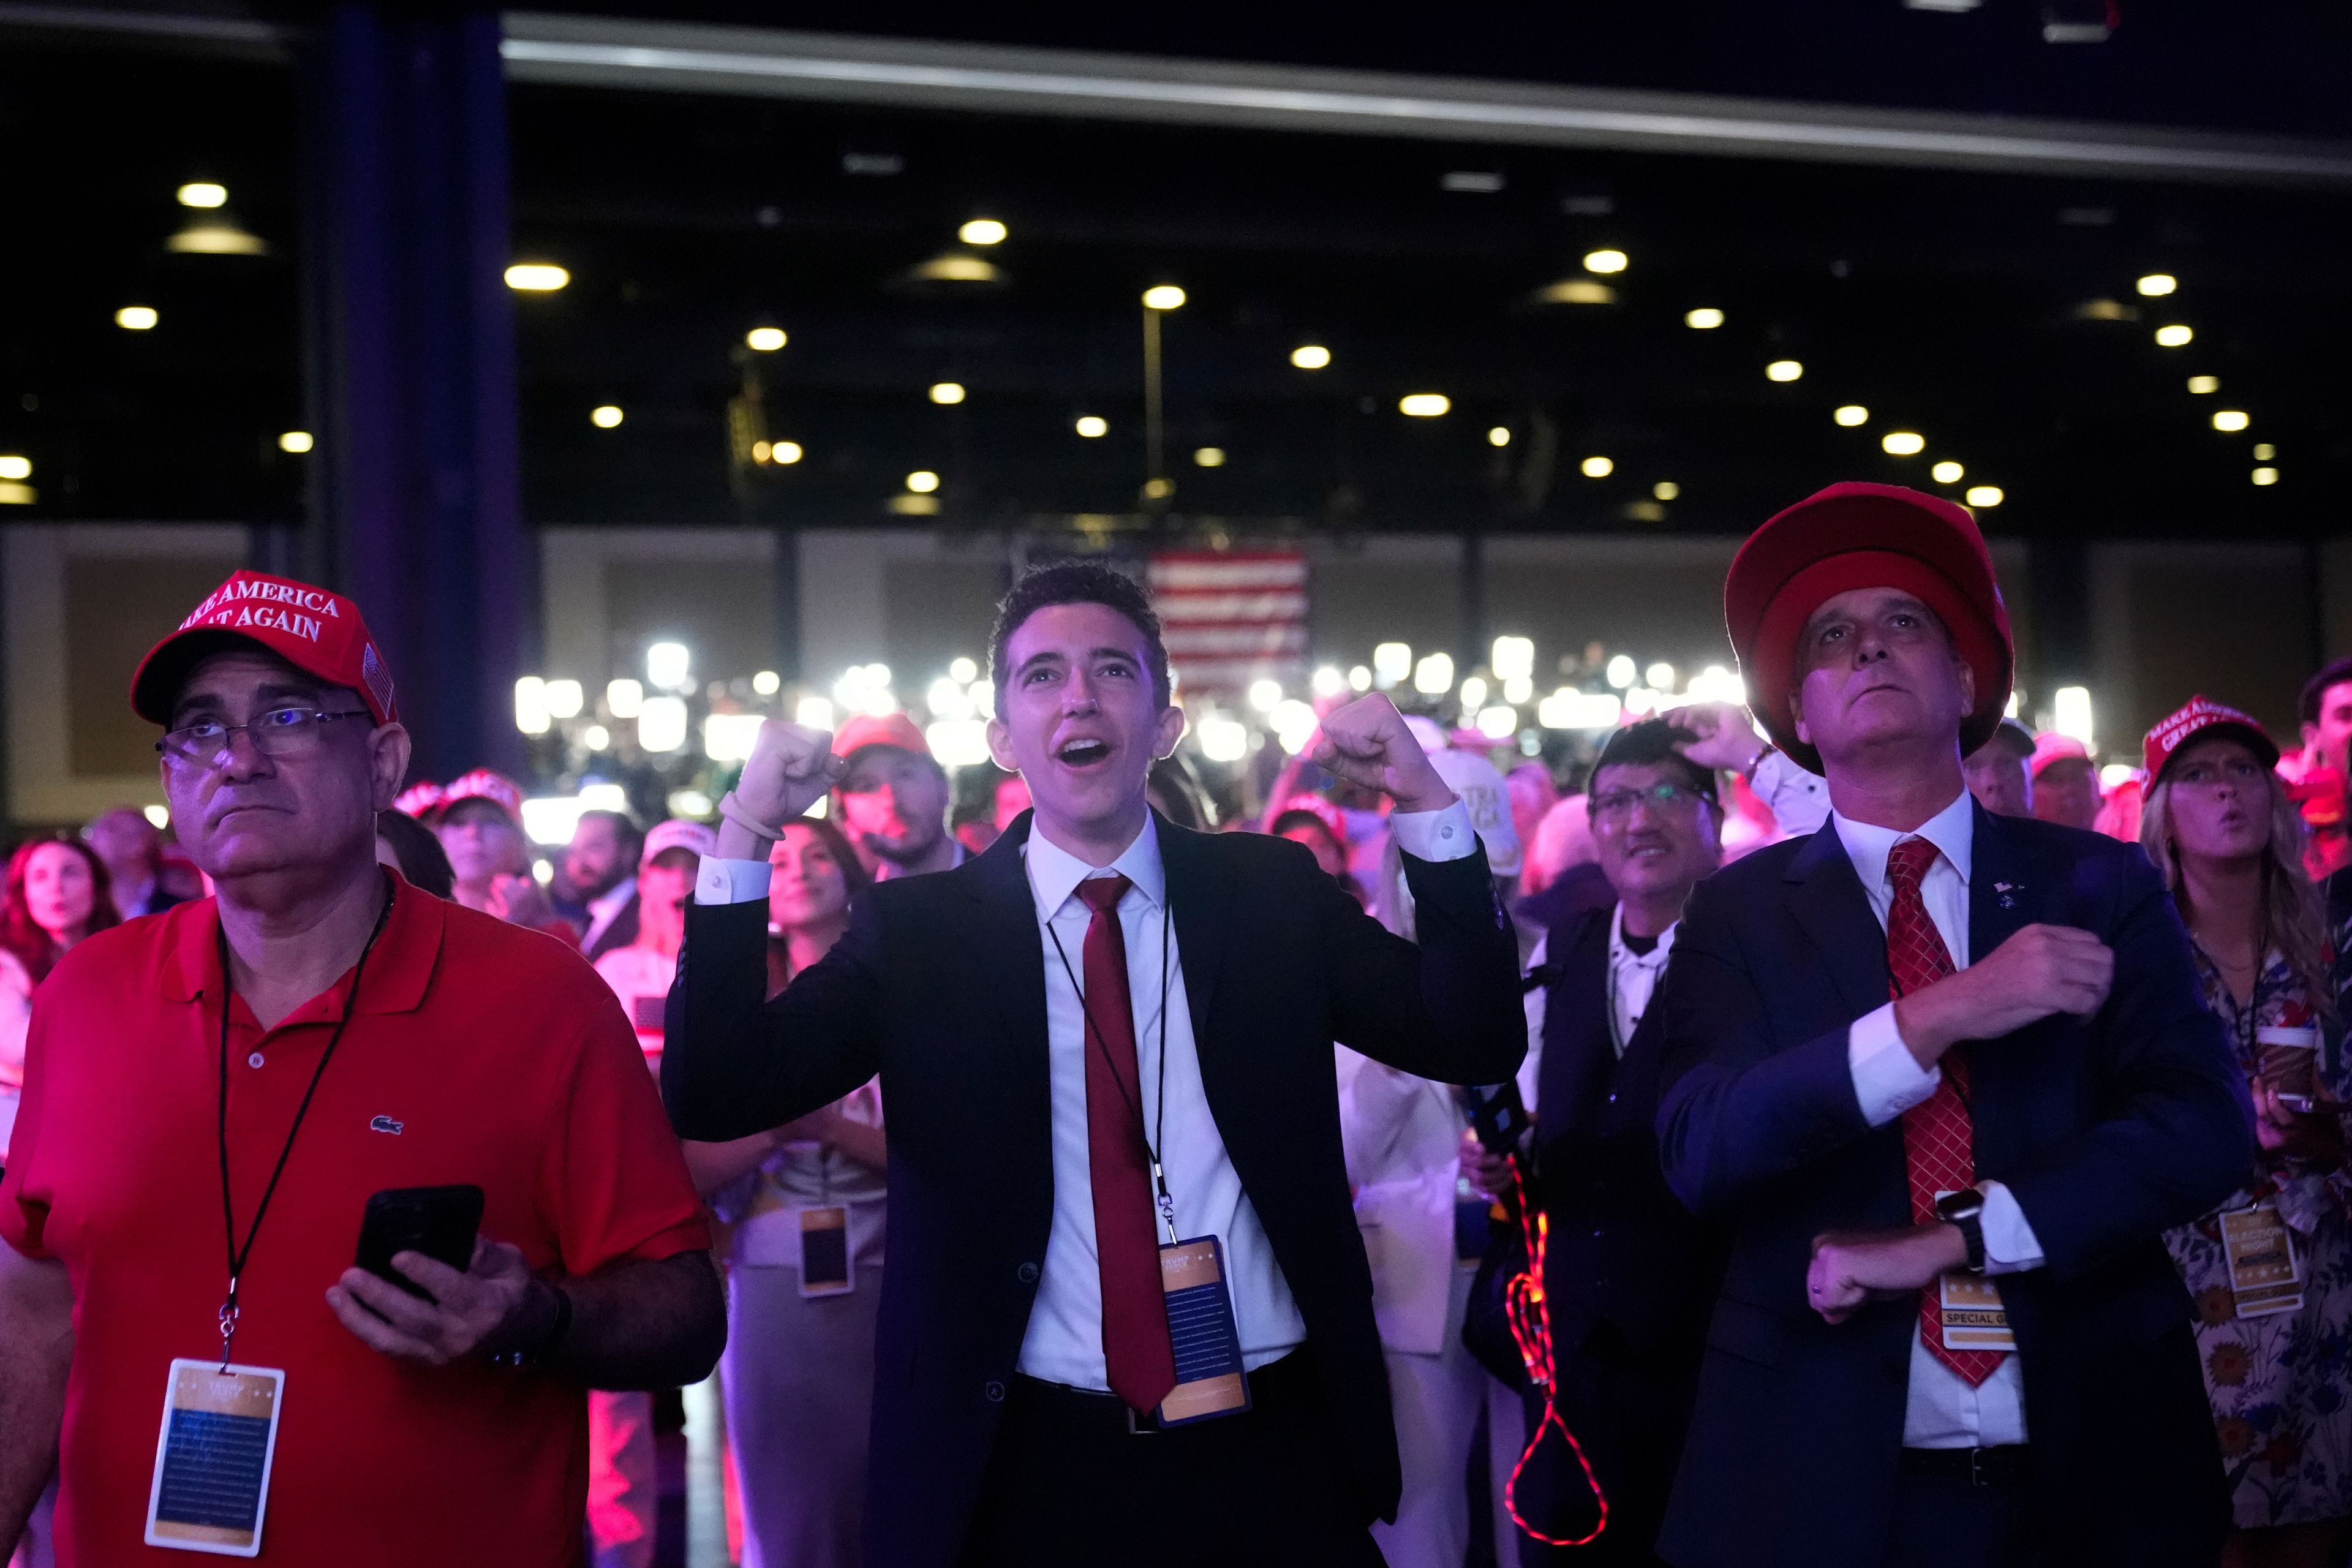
[1947, 303]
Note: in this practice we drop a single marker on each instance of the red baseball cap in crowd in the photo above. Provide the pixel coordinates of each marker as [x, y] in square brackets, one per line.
[419, 800]
[678, 833]
[2201, 715]
[2050, 747]
[317, 632]
[864, 730]
[1853, 536]
[482, 784]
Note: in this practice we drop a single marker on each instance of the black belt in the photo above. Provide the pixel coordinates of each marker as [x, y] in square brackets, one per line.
[2004, 1467]
[1107, 1413]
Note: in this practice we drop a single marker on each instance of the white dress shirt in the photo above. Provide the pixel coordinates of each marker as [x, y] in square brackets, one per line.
[1064, 1341]
[1632, 977]
[604, 909]
[1943, 1411]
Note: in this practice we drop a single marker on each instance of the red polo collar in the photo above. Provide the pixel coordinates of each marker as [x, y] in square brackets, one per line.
[399, 971]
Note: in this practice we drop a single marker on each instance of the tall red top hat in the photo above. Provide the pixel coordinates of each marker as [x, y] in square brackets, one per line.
[1863, 536]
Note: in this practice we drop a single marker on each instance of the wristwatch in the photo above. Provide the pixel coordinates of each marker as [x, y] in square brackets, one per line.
[1965, 1210]
[542, 1349]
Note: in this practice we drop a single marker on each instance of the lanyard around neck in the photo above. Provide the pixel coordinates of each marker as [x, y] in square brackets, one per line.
[238, 1255]
[1158, 1139]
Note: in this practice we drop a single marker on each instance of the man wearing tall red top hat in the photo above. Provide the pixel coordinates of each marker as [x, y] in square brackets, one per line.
[216, 1096]
[1947, 1078]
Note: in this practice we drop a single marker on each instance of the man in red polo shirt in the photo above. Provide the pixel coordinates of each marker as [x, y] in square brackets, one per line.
[213, 1094]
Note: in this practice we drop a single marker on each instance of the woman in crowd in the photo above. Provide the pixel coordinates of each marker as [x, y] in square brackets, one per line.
[56, 895]
[2219, 827]
[478, 819]
[799, 1367]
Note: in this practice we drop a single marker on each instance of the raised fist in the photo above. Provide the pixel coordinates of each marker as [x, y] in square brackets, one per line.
[1720, 735]
[1365, 743]
[791, 768]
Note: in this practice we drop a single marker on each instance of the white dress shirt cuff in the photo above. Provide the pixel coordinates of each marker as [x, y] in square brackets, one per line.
[1886, 1080]
[1443, 835]
[2010, 1244]
[730, 881]
[1799, 800]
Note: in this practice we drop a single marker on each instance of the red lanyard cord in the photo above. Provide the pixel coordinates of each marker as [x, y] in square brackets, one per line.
[1529, 1316]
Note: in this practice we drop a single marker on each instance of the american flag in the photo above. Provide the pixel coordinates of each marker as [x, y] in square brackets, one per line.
[1232, 618]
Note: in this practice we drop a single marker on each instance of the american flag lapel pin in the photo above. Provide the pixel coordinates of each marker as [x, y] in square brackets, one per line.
[2008, 893]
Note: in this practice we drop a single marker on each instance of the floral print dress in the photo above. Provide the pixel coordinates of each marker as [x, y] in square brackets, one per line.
[2281, 1385]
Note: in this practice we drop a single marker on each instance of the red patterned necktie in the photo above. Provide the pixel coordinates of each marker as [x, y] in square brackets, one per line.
[1136, 1349]
[1939, 1139]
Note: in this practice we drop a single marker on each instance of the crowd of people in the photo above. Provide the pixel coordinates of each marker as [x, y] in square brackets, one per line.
[1845, 1130]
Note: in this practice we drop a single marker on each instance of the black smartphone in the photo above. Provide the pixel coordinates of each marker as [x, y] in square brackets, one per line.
[438, 1222]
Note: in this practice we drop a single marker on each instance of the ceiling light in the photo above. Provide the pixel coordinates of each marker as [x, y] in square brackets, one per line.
[981, 231]
[203, 194]
[2157, 283]
[2173, 337]
[1575, 291]
[762, 451]
[1852, 413]
[605, 416]
[1707, 317]
[767, 339]
[136, 318]
[1604, 261]
[1310, 356]
[13, 466]
[2105, 311]
[1596, 467]
[2265, 451]
[218, 234]
[1783, 369]
[922, 481]
[537, 276]
[2228, 419]
[947, 392]
[1947, 472]
[1163, 297]
[1500, 435]
[1666, 489]
[957, 267]
[1423, 405]
[784, 452]
[1093, 425]
[1210, 457]
[1904, 443]
[295, 441]
[2265, 476]
[2204, 384]
[1984, 495]
[1477, 182]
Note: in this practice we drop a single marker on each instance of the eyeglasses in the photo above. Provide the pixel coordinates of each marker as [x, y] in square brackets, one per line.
[1620, 803]
[280, 734]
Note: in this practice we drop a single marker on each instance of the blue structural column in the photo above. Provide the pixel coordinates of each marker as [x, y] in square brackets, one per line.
[415, 504]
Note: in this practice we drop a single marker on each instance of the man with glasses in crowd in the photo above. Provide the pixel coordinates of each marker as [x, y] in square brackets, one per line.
[1627, 1273]
[212, 1097]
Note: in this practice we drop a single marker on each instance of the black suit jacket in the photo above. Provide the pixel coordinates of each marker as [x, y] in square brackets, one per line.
[939, 987]
[2106, 1130]
[1622, 1251]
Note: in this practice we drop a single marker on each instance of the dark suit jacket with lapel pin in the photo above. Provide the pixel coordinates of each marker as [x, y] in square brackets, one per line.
[2107, 1130]
[938, 986]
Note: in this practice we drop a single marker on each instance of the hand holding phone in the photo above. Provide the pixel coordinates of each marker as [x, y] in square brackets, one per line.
[438, 1222]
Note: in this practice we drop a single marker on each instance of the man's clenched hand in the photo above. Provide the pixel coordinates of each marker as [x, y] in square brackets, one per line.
[1365, 743]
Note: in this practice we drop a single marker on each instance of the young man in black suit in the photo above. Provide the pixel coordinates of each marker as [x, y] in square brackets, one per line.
[1100, 1002]
[1949, 1332]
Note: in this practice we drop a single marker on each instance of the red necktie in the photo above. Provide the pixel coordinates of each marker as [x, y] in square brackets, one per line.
[1939, 1139]
[1136, 1349]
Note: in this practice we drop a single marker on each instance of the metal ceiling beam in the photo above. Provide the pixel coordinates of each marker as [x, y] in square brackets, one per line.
[837, 68]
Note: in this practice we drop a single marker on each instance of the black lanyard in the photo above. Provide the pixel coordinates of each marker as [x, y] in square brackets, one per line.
[237, 1256]
[1159, 1137]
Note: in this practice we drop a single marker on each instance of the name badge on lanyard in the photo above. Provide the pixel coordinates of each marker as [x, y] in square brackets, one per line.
[1974, 1318]
[211, 1487]
[2265, 1267]
[1210, 1381]
[825, 1251]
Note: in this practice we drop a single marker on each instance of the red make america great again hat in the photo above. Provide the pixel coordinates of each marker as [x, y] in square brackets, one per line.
[317, 632]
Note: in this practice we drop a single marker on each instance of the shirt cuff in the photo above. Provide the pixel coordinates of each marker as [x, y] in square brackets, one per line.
[1443, 835]
[1886, 1080]
[2010, 1244]
[1799, 800]
[730, 881]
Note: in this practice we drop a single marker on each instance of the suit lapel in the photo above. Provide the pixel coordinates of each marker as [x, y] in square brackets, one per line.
[1010, 953]
[1196, 900]
[1829, 904]
[2002, 898]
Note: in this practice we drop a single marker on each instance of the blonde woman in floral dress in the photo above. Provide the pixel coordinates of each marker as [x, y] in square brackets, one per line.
[2270, 1269]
